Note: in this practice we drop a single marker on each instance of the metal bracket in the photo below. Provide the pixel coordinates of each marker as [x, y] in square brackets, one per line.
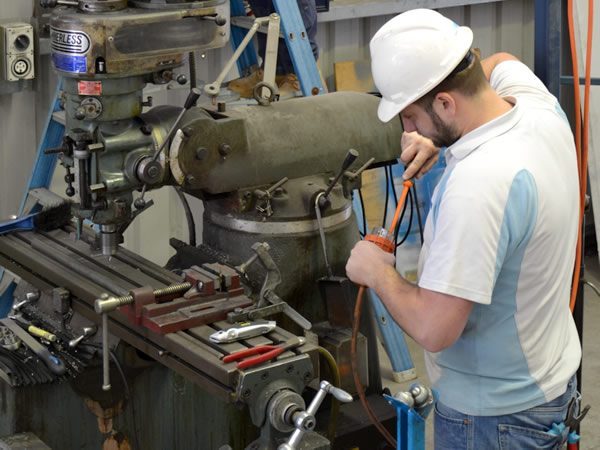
[273, 277]
[213, 89]
[271, 56]
[267, 292]
[410, 431]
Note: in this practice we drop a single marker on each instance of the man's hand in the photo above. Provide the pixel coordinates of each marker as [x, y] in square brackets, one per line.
[367, 262]
[419, 154]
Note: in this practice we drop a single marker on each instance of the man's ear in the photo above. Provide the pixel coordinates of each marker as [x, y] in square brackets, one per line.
[444, 105]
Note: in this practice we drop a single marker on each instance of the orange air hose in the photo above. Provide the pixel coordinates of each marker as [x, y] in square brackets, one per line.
[387, 246]
[582, 156]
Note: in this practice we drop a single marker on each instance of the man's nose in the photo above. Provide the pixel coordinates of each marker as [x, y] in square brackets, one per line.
[408, 125]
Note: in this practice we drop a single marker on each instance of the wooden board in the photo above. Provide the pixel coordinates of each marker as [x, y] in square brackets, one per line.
[354, 76]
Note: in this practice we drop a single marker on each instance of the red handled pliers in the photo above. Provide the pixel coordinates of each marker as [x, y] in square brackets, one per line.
[264, 352]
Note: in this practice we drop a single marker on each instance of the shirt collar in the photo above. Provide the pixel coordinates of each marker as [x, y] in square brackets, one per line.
[486, 132]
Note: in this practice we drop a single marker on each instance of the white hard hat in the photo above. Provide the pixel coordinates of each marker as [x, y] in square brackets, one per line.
[411, 54]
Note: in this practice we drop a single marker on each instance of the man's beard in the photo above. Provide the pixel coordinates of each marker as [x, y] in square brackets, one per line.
[445, 135]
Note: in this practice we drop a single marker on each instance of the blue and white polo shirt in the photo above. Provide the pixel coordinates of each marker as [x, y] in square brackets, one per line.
[502, 233]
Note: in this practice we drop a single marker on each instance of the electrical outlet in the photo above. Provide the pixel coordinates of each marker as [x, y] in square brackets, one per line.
[16, 51]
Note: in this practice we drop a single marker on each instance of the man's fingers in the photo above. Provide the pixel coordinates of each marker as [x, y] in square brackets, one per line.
[409, 138]
[408, 149]
[426, 167]
[419, 154]
[419, 167]
[412, 169]
[408, 154]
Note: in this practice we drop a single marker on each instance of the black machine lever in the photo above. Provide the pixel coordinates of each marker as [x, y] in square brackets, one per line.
[348, 160]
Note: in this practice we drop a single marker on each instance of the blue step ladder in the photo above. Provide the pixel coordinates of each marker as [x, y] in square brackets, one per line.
[392, 336]
[295, 37]
[41, 176]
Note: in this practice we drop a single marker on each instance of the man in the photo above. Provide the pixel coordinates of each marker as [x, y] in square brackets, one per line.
[491, 307]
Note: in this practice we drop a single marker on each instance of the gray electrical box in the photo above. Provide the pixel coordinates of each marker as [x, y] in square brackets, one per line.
[16, 51]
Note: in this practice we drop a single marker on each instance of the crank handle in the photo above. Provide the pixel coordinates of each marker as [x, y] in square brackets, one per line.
[305, 420]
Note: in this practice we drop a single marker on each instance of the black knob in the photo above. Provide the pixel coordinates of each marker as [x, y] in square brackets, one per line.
[139, 203]
[70, 191]
[192, 98]
[80, 113]
[22, 42]
[350, 157]
[348, 160]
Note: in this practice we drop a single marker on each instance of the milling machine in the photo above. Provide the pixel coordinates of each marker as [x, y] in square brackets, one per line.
[277, 226]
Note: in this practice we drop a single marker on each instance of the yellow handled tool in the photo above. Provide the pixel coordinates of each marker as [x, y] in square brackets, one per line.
[42, 333]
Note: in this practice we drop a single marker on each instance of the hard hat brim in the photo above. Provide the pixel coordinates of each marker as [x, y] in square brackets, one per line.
[387, 109]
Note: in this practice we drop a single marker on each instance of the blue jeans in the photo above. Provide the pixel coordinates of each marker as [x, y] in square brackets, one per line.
[308, 12]
[523, 430]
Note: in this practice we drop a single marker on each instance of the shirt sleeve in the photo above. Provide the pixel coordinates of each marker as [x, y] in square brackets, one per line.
[513, 78]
